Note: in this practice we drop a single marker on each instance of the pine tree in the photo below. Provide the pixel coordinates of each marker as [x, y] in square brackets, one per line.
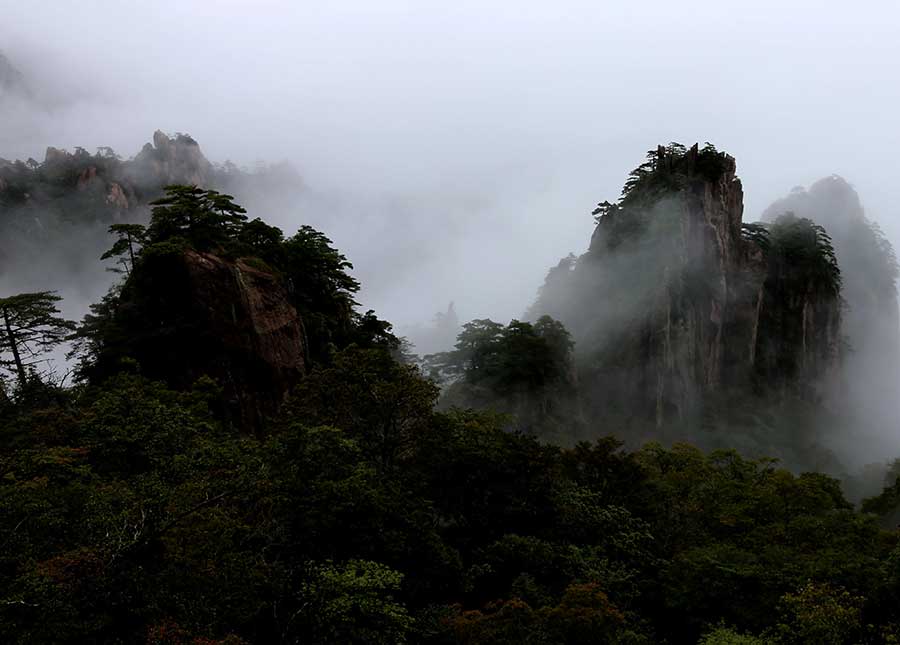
[32, 327]
[130, 238]
[206, 219]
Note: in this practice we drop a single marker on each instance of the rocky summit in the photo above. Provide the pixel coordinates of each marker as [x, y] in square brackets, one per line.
[678, 301]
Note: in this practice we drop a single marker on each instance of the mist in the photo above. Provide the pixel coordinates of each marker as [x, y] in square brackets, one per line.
[473, 140]
[455, 153]
[632, 372]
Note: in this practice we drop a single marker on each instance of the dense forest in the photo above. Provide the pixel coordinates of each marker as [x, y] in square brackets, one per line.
[243, 456]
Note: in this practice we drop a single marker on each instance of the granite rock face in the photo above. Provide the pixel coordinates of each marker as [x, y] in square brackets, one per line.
[107, 184]
[62, 207]
[170, 160]
[188, 314]
[675, 302]
[871, 322]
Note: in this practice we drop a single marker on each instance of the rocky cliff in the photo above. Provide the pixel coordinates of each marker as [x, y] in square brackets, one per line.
[677, 302]
[59, 209]
[169, 160]
[86, 186]
[867, 261]
[189, 314]
[871, 324]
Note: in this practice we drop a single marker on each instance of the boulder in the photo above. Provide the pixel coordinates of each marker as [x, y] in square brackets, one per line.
[185, 315]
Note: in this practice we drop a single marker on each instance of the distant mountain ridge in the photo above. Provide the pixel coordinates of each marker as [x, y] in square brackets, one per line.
[60, 208]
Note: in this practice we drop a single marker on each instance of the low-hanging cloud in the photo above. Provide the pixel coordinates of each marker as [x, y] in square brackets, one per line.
[453, 152]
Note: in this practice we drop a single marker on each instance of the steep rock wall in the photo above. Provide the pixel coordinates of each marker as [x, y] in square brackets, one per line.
[59, 209]
[866, 385]
[674, 303]
[188, 314]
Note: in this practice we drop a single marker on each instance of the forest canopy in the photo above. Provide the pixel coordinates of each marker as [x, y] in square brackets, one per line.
[385, 500]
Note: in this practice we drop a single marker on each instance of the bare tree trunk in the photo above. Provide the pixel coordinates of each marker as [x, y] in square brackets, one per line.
[131, 251]
[4, 397]
[11, 338]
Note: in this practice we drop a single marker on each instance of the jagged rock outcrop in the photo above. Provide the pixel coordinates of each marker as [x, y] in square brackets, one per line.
[111, 181]
[868, 264]
[675, 302]
[86, 177]
[185, 314]
[175, 160]
[59, 209]
[117, 197]
[56, 155]
[45, 206]
[871, 322]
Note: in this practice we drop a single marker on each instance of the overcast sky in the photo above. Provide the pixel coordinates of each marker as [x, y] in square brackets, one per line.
[483, 132]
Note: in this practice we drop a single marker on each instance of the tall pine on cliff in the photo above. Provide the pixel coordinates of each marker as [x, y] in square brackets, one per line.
[679, 309]
[208, 292]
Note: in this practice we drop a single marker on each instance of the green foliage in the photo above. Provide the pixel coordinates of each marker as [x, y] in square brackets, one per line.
[583, 615]
[508, 359]
[90, 510]
[524, 369]
[129, 239]
[207, 219]
[309, 253]
[886, 503]
[315, 275]
[726, 636]
[376, 400]
[30, 327]
[130, 512]
[352, 603]
[53, 182]
[819, 613]
[666, 170]
[796, 336]
[261, 240]
[323, 289]
[802, 254]
[738, 534]
[475, 353]
[757, 233]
